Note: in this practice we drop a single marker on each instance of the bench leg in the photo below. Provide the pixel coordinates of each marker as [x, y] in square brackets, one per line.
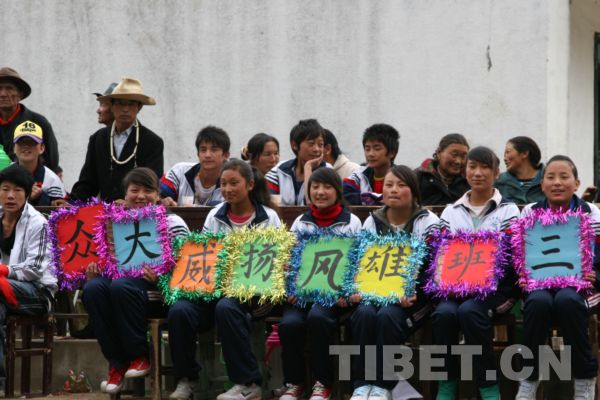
[11, 327]
[47, 358]
[155, 337]
[26, 333]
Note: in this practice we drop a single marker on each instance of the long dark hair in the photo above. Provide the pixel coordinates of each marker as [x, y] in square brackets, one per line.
[524, 144]
[259, 193]
[329, 177]
[142, 176]
[484, 155]
[408, 176]
[256, 145]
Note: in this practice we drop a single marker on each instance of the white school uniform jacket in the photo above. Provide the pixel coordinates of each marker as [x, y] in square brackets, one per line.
[280, 180]
[177, 226]
[217, 219]
[346, 222]
[178, 183]
[497, 215]
[29, 259]
[422, 224]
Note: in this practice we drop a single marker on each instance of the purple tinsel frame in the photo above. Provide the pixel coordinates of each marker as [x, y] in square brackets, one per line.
[65, 281]
[439, 244]
[550, 217]
[120, 214]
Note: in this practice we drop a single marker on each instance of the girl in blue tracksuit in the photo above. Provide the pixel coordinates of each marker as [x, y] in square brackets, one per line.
[247, 203]
[565, 307]
[392, 324]
[326, 211]
[481, 208]
[118, 308]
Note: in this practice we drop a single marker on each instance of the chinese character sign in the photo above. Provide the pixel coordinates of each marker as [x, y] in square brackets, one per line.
[195, 269]
[72, 236]
[319, 267]
[470, 263]
[136, 243]
[255, 262]
[140, 238]
[385, 267]
[196, 274]
[383, 270]
[553, 249]
[467, 263]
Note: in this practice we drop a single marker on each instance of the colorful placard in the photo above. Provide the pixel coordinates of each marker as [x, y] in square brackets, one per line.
[466, 264]
[553, 249]
[254, 263]
[71, 232]
[387, 267]
[140, 238]
[320, 262]
[196, 274]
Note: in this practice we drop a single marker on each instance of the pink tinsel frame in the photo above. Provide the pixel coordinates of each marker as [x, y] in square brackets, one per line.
[119, 214]
[65, 281]
[551, 217]
[461, 290]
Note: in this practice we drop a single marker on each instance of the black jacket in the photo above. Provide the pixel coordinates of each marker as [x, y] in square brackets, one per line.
[101, 176]
[50, 156]
[433, 190]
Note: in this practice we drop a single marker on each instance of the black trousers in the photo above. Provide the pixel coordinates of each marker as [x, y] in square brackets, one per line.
[186, 318]
[118, 310]
[568, 310]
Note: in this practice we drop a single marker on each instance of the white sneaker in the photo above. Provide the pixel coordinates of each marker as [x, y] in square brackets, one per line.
[527, 390]
[184, 389]
[361, 392]
[242, 392]
[379, 393]
[320, 392]
[292, 392]
[103, 386]
[585, 389]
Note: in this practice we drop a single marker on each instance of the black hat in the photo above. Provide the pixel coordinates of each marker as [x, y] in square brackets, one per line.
[108, 90]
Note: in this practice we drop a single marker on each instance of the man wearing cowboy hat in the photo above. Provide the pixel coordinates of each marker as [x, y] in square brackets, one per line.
[118, 148]
[13, 89]
[105, 115]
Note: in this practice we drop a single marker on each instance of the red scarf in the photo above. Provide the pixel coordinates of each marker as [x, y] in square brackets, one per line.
[325, 216]
[9, 120]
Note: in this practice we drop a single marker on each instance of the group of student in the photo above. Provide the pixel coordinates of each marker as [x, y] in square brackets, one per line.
[458, 175]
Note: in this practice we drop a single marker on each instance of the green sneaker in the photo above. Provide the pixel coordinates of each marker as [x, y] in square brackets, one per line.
[490, 393]
[447, 390]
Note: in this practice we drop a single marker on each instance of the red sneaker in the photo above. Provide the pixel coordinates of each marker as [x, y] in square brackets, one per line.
[320, 392]
[115, 380]
[138, 368]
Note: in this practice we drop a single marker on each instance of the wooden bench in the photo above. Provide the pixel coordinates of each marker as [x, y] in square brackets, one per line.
[28, 349]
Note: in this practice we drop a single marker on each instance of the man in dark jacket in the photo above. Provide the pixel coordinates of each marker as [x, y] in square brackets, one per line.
[13, 89]
[117, 149]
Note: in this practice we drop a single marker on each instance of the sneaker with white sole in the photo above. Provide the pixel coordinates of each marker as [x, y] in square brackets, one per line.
[379, 393]
[527, 390]
[320, 392]
[242, 392]
[114, 383]
[585, 389]
[292, 392]
[184, 389]
[361, 392]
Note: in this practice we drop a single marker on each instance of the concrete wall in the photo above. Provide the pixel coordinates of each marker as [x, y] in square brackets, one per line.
[585, 22]
[426, 67]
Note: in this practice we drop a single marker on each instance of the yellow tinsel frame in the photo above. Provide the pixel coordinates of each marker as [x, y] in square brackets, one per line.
[234, 243]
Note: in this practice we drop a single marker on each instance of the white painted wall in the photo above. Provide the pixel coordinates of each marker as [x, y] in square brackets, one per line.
[480, 67]
[585, 22]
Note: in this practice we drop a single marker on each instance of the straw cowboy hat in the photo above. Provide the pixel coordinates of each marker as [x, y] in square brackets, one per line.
[9, 74]
[130, 89]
